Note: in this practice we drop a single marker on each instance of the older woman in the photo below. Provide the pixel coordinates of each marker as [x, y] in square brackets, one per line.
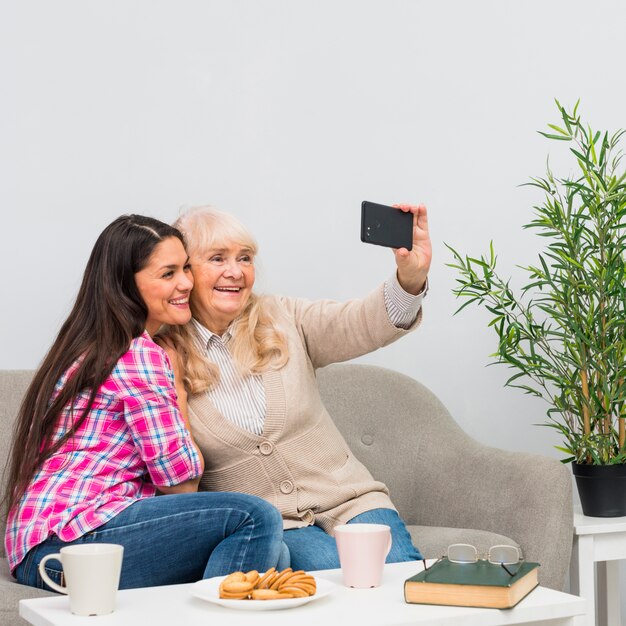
[100, 433]
[248, 365]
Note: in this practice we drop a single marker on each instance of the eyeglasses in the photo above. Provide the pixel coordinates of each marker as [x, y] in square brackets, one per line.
[502, 555]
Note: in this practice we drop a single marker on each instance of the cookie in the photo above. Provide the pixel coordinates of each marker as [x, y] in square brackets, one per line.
[265, 594]
[262, 582]
[281, 578]
[271, 585]
[296, 592]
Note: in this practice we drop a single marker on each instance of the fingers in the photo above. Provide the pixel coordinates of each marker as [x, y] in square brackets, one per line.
[413, 208]
[422, 217]
[401, 253]
[419, 212]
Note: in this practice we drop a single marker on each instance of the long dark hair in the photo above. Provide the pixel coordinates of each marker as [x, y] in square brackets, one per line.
[108, 314]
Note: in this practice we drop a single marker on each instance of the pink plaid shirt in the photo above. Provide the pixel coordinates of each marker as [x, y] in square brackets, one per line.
[133, 440]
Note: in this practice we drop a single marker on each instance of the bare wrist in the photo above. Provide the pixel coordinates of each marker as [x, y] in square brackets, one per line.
[415, 287]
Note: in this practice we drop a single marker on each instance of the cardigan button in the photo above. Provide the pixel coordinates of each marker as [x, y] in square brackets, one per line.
[286, 486]
[367, 440]
[266, 448]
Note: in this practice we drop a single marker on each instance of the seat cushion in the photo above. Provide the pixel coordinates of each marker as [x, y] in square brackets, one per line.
[11, 592]
[433, 542]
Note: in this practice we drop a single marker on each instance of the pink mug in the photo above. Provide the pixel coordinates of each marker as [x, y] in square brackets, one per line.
[362, 549]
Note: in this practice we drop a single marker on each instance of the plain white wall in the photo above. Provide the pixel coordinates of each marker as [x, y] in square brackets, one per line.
[289, 113]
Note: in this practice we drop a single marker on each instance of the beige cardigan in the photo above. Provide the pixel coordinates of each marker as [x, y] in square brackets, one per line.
[300, 463]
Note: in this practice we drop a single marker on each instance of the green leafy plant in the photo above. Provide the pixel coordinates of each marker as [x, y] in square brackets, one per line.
[564, 334]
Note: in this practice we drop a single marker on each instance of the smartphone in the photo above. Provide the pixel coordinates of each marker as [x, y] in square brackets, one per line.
[384, 225]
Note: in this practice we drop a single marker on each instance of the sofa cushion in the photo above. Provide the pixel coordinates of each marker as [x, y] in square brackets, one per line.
[11, 592]
[13, 385]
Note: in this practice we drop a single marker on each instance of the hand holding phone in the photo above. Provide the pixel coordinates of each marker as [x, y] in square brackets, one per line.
[384, 225]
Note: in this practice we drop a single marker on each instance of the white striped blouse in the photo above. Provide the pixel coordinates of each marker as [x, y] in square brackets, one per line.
[242, 400]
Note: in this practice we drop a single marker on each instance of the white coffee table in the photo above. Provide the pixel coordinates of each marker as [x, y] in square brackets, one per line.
[383, 606]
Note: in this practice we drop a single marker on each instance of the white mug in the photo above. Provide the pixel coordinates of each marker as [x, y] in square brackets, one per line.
[92, 574]
[362, 549]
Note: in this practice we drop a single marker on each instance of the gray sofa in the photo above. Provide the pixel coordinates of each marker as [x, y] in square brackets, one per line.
[448, 487]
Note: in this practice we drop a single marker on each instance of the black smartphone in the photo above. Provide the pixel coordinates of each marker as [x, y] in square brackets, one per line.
[385, 225]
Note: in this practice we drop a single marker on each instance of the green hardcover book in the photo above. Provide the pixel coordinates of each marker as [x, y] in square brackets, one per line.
[480, 584]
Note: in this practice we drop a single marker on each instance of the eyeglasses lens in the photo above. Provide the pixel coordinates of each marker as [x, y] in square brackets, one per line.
[462, 553]
[507, 555]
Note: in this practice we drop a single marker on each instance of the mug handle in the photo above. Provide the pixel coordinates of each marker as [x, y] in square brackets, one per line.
[48, 581]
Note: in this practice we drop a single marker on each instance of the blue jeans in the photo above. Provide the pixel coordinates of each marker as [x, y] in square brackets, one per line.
[312, 548]
[178, 538]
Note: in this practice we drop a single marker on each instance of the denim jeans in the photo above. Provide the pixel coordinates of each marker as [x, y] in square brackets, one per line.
[311, 548]
[178, 538]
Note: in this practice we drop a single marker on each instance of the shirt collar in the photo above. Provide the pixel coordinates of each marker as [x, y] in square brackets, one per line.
[205, 335]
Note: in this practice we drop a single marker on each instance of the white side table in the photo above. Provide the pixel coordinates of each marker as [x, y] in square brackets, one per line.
[600, 540]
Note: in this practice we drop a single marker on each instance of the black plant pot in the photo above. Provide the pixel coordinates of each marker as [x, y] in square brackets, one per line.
[602, 489]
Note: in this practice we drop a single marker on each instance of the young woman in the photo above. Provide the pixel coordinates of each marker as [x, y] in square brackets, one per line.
[100, 432]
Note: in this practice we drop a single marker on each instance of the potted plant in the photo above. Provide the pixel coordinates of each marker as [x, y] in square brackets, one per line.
[564, 332]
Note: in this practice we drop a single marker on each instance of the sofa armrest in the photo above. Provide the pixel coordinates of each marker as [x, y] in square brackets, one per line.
[527, 497]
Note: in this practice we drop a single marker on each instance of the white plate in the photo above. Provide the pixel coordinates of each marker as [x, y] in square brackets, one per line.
[209, 590]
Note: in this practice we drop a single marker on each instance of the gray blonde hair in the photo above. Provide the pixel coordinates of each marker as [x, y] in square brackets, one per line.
[205, 227]
[258, 344]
